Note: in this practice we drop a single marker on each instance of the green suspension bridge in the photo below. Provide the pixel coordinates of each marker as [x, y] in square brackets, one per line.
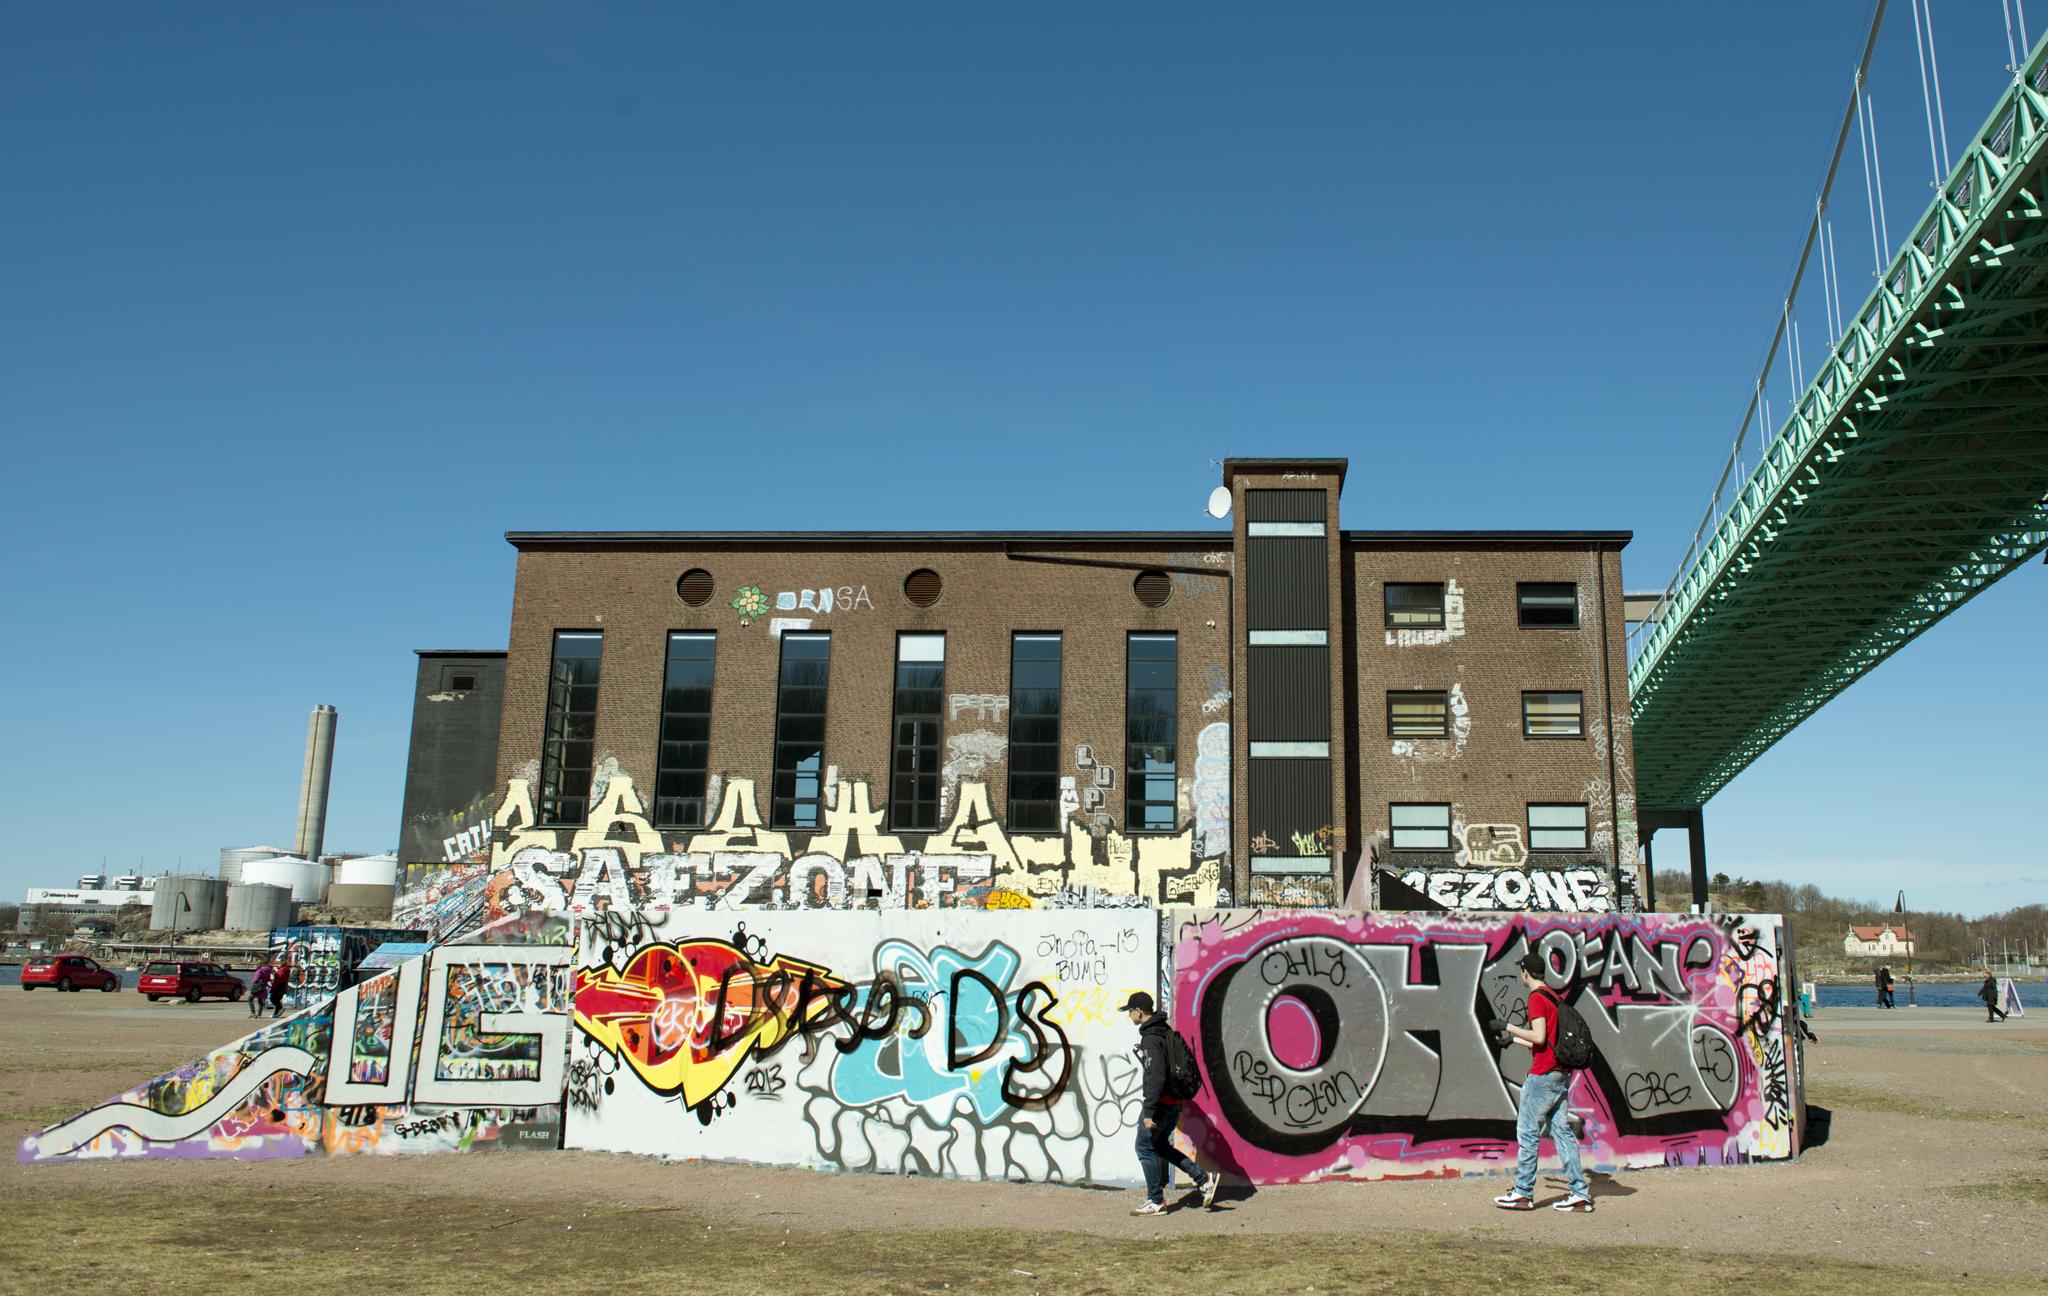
[1911, 473]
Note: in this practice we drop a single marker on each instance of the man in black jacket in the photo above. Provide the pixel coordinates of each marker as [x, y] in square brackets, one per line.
[1160, 1112]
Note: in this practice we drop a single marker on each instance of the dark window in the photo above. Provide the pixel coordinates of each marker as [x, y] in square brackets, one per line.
[685, 757]
[1151, 731]
[920, 711]
[570, 736]
[1557, 827]
[1153, 587]
[1553, 715]
[799, 794]
[461, 683]
[1415, 607]
[1418, 715]
[1034, 801]
[1420, 827]
[1547, 605]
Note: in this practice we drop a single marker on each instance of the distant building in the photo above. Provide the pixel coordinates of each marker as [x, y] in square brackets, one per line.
[1878, 942]
[74, 902]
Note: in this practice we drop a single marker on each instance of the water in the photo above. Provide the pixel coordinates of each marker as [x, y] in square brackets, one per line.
[1947, 994]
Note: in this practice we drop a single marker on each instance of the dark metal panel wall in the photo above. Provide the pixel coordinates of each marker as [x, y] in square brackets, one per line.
[1288, 796]
[1287, 582]
[1285, 505]
[1290, 698]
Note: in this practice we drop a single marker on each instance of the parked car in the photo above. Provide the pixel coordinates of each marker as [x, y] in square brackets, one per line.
[194, 981]
[68, 972]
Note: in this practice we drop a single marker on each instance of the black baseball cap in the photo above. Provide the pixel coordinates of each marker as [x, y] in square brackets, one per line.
[1138, 999]
[1535, 964]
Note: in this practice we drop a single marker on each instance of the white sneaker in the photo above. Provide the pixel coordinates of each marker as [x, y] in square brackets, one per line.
[1149, 1208]
[1574, 1205]
[1209, 1187]
[1514, 1201]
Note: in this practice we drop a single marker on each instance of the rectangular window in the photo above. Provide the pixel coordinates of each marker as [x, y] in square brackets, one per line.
[799, 793]
[1151, 731]
[1547, 605]
[1421, 827]
[1553, 715]
[1418, 715]
[685, 756]
[1415, 607]
[920, 711]
[1034, 802]
[569, 739]
[1557, 827]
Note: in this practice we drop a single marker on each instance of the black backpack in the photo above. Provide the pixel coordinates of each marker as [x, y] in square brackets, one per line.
[1573, 1047]
[1183, 1077]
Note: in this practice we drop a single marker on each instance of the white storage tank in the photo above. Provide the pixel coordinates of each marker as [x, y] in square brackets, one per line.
[234, 857]
[258, 907]
[367, 870]
[306, 880]
[189, 904]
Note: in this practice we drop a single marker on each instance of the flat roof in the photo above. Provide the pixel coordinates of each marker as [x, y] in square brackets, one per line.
[622, 539]
[459, 652]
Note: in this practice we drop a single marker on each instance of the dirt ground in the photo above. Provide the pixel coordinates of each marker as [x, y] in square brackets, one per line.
[1933, 1177]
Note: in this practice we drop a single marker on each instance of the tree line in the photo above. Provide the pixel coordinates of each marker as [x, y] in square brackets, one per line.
[1820, 919]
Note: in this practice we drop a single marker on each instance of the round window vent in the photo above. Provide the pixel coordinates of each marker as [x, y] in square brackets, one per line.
[922, 587]
[695, 587]
[1153, 587]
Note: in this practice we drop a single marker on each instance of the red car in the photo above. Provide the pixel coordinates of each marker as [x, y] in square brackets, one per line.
[68, 972]
[194, 981]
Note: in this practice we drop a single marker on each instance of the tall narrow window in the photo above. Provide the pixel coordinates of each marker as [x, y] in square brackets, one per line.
[1418, 715]
[1557, 826]
[685, 754]
[1553, 715]
[1151, 731]
[1034, 802]
[920, 709]
[570, 736]
[799, 794]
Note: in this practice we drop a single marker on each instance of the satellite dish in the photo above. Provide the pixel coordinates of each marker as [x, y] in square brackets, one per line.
[1219, 502]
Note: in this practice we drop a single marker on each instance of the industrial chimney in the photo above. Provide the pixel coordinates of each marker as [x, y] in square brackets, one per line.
[313, 783]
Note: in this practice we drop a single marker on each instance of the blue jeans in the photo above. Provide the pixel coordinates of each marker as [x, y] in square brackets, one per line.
[1156, 1151]
[1544, 1106]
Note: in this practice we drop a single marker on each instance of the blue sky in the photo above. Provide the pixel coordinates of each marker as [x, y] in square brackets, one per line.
[307, 304]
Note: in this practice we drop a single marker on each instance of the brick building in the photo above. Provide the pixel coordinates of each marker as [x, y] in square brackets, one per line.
[1280, 713]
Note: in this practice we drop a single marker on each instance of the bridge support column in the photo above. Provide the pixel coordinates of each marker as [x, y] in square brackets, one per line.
[1649, 873]
[1696, 838]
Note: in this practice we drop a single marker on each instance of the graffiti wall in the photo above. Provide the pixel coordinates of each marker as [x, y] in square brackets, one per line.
[618, 860]
[956, 1043]
[1359, 1045]
[458, 1049]
[324, 959]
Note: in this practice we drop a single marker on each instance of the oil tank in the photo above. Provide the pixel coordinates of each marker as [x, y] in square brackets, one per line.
[258, 907]
[367, 870]
[234, 857]
[306, 880]
[189, 904]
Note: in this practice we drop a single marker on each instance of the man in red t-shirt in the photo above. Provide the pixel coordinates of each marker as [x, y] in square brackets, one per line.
[1545, 1104]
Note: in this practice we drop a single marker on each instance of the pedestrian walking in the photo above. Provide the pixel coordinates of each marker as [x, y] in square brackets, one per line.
[280, 985]
[1168, 1064]
[1546, 1098]
[259, 986]
[1988, 992]
[1885, 982]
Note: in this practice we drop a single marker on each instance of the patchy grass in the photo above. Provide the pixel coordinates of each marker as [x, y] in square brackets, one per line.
[357, 1242]
[2024, 1189]
[1835, 1095]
